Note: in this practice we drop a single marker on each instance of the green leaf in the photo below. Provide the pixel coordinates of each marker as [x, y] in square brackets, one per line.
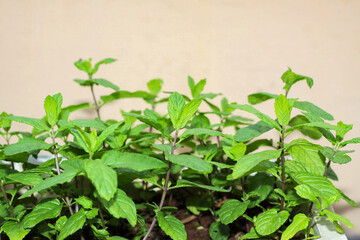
[84, 201]
[236, 151]
[72, 225]
[46, 209]
[52, 111]
[196, 204]
[348, 200]
[320, 186]
[307, 154]
[104, 61]
[265, 118]
[313, 109]
[172, 226]
[187, 113]
[49, 182]
[26, 178]
[198, 88]
[354, 140]
[5, 123]
[84, 65]
[175, 107]
[231, 210]
[283, 110]
[125, 94]
[260, 97]
[26, 145]
[336, 217]
[190, 161]
[36, 123]
[14, 230]
[103, 177]
[300, 222]
[247, 162]
[60, 223]
[270, 221]
[136, 161]
[343, 129]
[251, 235]
[105, 83]
[185, 183]
[250, 132]
[290, 78]
[121, 206]
[219, 231]
[199, 132]
[91, 123]
[155, 86]
[107, 132]
[305, 191]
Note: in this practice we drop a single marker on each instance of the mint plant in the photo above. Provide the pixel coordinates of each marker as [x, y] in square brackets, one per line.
[173, 175]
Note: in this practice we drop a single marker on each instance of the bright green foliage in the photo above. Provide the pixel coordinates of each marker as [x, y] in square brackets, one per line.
[171, 226]
[270, 221]
[103, 177]
[196, 89]
[73, 224]
[250, 132]
[231, 210]
[299, 223]
[290, 78]
[26, 178]
[47, 209]
[155, 86]
[27, 145]
[186, 183]
[34, 122]
[236, 151]
[283, 110]
[14, 230]
[336, 217]
[190, 161]
[200, 132]
[260, 97]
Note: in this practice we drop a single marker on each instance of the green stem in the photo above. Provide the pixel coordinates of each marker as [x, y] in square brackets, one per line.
[97, 108]
[282, 158]
[166, 185]
[6, 199]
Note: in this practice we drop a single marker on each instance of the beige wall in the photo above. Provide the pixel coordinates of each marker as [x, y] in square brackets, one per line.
[239, 46]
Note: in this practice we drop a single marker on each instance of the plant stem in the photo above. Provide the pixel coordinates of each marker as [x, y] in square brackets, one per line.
[97, 108]
[166, 185]
[282, 159]
[7, 200]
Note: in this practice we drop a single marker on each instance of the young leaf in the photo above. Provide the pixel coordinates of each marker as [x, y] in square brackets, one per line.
[300, 222]
[121, 206]
[260, 97]
[307, 154]
[250, 132]
[248, 108]
[236, 151]
[107, 132]
[344, 128]
[36, 123]
[313, 109]
[85, 202]
[172, 226]
[14, 230]
[283, 110]
[336, 217]
[354, 140]
[46, 209]
[104, 61]
[136, 161]
[103, 177]
[5, 123]
[125, 94]
[270, 221]
[187, 113]
[154, 86]
[198, 88]
[231, 210]
[84, 65]
[247, 162]
[190, 161]
[73, 224]
[219, 231]
[290, 78]
[52, 111]
[26, 145]
[105, 83]
[49, 182]
[175, 107]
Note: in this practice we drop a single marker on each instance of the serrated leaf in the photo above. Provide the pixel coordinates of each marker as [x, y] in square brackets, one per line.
[103, 177]
[300, 222]
[49, 182]
[190, 161]
[313, 109]
[172, 226]
[34, 122]
[26, 145]
[121, 206]
[320, 186]
[185, 183]
[219, 231]
[305, 191]
[187, 113]
[198, 88]
[307, 154]
[84, 201]
[265, 118]
[72, 225]
[107, 132]
[26, 178]
[260, 97]
[154, 86]
[46, 209]
[136, 161]
[199, 132]
[270, 221]
[14, 230]
[354, 140]
[283, 110]
[52, 110]
[250, 132]
[247, 162]
[175, 107]
[232, 210]
[236, 151]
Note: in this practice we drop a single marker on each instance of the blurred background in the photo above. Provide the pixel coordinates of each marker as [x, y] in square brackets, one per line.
[240, 47]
